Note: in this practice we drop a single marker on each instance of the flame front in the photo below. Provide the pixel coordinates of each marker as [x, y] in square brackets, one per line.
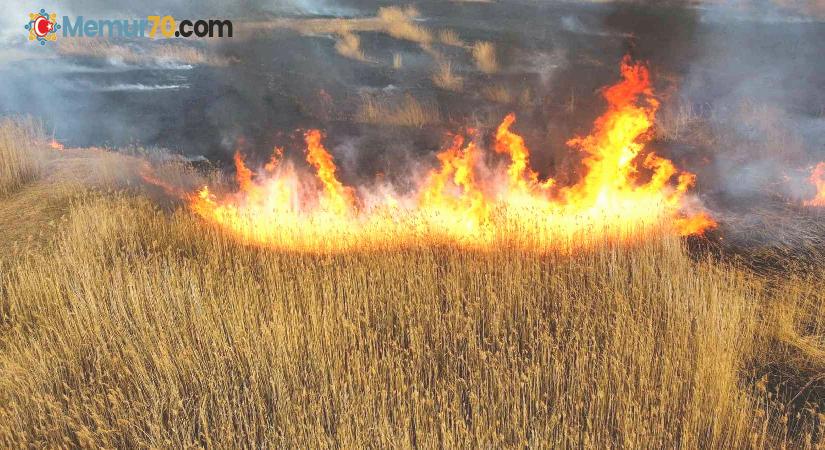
[469, 201]
[818, 180]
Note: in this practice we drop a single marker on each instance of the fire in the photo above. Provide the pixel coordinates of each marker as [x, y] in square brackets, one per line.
[336, 197]
[818, 179]
[55, 145]
[147, 173]
[470, 201]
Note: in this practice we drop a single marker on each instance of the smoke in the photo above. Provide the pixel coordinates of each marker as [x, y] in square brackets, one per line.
[759, 77]
[741, 84]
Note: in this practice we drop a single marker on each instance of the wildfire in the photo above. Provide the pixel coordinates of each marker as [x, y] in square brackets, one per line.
[470, 201]
[54, 144]
[818, 180]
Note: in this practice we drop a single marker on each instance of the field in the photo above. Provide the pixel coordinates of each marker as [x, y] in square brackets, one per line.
[447, 224]
[125, 321]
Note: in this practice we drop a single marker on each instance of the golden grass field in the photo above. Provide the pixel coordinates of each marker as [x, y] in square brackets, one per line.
[127, 322]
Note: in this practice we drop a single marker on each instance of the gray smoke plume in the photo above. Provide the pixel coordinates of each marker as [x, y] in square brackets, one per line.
[742, 86]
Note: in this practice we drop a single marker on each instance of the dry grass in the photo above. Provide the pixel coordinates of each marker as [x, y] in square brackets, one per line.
[162, 332]
[21, 153]
[446, 79]
[484, 54]
[349, 45]
[128, 326]
[31, 211]
[156, 54]
[395, 21]
[450, 37]
[498, 93]
[398, 23]
[405, 112]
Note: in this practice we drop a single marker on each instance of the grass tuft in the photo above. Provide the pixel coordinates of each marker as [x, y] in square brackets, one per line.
[446, 79]
[405, 112]
[349, 45]
[484, 54]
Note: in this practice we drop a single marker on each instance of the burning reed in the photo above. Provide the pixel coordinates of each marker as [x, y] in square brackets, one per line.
[465, 201]
[130, 327]
[818, 181]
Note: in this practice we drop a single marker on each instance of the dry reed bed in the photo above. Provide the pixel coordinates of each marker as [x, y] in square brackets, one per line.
[132, 327]
[160, 331]
[21, 153]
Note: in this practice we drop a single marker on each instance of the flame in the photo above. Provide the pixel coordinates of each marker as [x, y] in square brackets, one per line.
[469, 201]
[54, 144]
[336, 197]
[521, 177]
[818, 179]
[147, 173]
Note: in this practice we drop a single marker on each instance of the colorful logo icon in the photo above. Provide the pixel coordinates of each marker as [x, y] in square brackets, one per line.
[42, 26]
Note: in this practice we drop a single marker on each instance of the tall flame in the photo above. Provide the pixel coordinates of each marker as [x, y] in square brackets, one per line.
[818, 180]
[467, 200]
[336, 197]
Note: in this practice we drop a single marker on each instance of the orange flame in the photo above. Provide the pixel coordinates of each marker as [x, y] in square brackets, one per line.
[521, 178]
[337, 197]
[147, 173]
[818, 179]
[56, 145]
[466, 201]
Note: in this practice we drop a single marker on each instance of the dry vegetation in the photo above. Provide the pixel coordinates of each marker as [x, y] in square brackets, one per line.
[21, 151]
[450, 37]
[446, 79]
[398, 23]
[124, 325]
[407, 111]
[498, 93]
[484, 54]
[349, 45]
[156, 54]
[395, 21]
